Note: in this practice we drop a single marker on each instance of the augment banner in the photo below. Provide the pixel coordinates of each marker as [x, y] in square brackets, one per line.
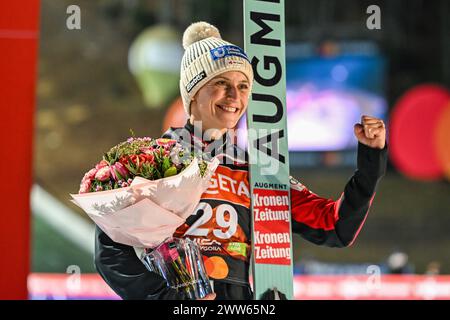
[267, 147]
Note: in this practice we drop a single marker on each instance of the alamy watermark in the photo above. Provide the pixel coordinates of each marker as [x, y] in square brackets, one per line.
[73, 21]
[373, 281]
[265, 146]
[73, 282]
[373, 22]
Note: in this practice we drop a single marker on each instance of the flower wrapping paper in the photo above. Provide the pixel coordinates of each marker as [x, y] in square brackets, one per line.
[148, 211]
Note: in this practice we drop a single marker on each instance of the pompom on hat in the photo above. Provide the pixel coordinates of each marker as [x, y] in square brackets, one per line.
[206, 56]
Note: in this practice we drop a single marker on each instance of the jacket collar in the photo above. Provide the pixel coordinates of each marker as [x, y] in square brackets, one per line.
[197, 138]
[223, 147]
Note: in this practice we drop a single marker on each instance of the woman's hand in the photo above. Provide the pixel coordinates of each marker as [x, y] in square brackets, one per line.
[211, 296]
[371, 132]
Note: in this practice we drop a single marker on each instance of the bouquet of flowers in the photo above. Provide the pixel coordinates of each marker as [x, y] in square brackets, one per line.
[179, 261]
[143, 190]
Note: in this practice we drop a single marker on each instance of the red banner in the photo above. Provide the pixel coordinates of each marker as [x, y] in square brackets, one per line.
[272, 234]
[19, 24]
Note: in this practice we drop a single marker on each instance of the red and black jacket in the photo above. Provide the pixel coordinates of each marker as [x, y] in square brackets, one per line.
[221, 224]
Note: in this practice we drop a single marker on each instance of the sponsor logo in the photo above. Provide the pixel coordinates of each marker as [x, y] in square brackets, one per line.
[271, 215]
[205, 242]
[270, 252]
[227, 51]
[235, 62]
[272, 237]
[195, 80]
[270, 200]
[210, 248]
[222, 182]
[238, 247]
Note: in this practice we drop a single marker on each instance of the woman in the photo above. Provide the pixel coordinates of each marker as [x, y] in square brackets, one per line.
[216, 81]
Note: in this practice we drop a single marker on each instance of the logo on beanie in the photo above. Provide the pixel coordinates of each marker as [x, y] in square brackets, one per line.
[227, 51]
[195, 80]
[236, 62]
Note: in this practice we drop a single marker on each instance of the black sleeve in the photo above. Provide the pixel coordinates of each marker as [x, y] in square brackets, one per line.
[337, 223]
[359, 192]
[126, 274]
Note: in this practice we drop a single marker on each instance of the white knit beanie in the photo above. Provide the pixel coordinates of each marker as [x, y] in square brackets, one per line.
[206, 56]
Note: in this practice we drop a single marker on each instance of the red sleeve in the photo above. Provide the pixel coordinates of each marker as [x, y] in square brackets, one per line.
[337, 223]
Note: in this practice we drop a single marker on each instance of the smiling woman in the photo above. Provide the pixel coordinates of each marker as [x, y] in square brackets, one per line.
[221, 102]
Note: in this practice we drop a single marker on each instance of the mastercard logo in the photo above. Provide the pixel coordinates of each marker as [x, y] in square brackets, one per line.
[419, 133]
[216, 267]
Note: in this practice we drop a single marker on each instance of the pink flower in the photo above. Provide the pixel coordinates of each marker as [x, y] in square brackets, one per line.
[118, 171]
[101, 164]
[147, 150]
[103, 174]
[90, 174]
[165, 142]
[85, 186]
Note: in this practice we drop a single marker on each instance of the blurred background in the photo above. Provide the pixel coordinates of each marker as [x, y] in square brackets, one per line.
[119, 71]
